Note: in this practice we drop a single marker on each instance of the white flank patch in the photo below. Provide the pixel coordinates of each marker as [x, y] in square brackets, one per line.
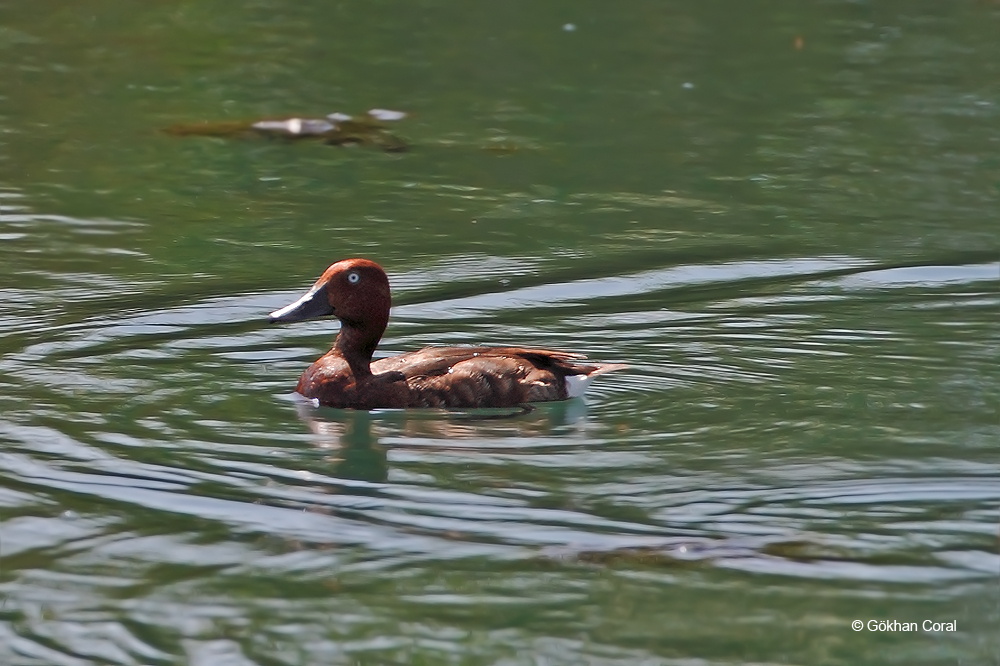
[576, 385]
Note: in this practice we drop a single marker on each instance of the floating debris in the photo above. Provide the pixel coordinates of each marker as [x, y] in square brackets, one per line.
[386, 114]
[295, 126]
[337, 129]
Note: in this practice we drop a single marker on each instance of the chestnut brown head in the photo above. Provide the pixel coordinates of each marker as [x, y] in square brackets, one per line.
[355, 291]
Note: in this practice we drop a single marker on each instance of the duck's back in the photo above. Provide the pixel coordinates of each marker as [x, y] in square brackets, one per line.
[456, 377]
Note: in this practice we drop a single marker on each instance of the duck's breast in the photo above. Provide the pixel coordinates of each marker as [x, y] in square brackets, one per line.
[330, 381]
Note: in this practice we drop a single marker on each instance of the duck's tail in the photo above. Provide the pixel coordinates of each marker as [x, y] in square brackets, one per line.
[576, 385]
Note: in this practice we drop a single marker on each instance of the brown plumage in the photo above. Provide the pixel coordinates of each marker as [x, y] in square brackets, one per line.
[356, 291]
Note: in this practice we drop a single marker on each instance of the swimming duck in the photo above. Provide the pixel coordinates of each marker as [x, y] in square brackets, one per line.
[356, 291]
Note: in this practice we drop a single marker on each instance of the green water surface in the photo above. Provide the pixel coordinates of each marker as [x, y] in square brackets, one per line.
[782, 215]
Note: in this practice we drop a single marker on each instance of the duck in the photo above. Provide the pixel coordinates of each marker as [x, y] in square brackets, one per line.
[356, 291]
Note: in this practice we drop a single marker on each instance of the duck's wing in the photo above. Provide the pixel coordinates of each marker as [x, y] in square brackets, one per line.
[491, 376]
[433, 361]
[526, 352]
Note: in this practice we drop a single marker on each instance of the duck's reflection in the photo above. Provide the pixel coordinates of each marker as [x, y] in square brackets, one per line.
[352, 437]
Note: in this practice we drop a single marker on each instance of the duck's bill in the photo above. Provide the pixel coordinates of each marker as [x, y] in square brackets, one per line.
[314, 304]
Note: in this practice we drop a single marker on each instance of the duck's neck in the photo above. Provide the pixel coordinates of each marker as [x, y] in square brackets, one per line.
[356, 344]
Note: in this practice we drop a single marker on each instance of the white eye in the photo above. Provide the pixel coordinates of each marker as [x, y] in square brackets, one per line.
[353, 278]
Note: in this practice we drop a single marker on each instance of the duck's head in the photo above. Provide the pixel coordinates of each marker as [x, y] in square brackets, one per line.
[355, 291]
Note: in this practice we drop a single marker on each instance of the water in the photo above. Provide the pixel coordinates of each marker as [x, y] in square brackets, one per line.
[782, 217]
